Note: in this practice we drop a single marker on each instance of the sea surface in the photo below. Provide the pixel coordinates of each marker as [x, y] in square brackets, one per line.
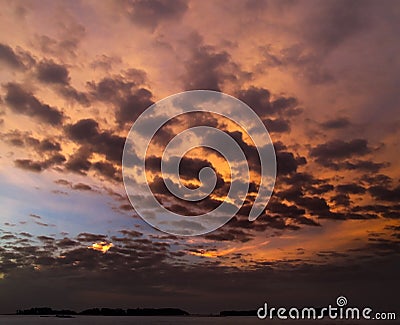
[162, 320]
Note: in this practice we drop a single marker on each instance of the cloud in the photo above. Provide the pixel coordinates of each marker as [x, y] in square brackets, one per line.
[210, 69]
[67, 41]
[336, 149]
[133, 105]
[287, 163]
[257, 99]
[87, 133]
[385, 194]
[337, 123]
[38, 166]
[335, 22]
[24, 102]
[53, 73]
[8, 56]
[24, 139]
[230, 235]
[150, 14]
[105, 62]
[350, 189]
[341, 199]
[82, 187]
[79, 161]
[57, 75]
[125, 93]
[277, 125]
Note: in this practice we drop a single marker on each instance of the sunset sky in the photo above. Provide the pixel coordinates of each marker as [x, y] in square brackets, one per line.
[322, 75]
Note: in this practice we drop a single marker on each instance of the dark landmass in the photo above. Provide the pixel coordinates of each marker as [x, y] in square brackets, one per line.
[106, 312]
[45, 311]
[238, 313]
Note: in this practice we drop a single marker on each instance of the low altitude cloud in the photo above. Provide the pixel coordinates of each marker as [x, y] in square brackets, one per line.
[337, 149]
[38, 166]
[25, 139]
[385, 194]
[51, 72]
[126, 93]
[210, 69]
[87, 133]
[24, 102]
[8, 56]
[336, 123]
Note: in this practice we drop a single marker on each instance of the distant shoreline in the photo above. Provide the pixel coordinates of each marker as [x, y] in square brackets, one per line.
[162, 312]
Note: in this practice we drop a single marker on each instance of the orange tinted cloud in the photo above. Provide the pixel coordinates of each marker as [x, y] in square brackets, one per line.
[101, 246]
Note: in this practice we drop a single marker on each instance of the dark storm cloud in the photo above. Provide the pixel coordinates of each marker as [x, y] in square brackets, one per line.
[341, 199]
[133, 105]
[315, 205]
[385, 194]
[249, 150]
[8, 56]
[24, 102]
[150, 14]
[350, 189]
[38, 166]
[70, 93]
[130, 233]
[87, 133]
[109, 89]
[287, 163]
[210, 69]
[125, 93]
[303, 184]
[337, 123]
[23, 139]
[107, 169]
[257, 99]
[83, 130]
[66, 243]
[79, 161]
[335, 22]
[158, 186]
[321, 189]
[385, 211]
[230, 235]
[337, 149]
[361, 165]
[284, 210]
[77, 186]
[51, 72]
[306, 221]
[335, 154]
[379, 179]
[277, 125]
[29, 165]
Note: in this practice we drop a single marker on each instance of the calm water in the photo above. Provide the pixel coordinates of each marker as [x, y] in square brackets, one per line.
[147, 320]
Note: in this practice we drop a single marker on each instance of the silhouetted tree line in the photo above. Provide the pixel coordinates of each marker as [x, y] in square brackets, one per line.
[106, 312]
[238, 313]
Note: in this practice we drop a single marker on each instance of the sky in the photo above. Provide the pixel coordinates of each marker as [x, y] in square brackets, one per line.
[321, 75]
